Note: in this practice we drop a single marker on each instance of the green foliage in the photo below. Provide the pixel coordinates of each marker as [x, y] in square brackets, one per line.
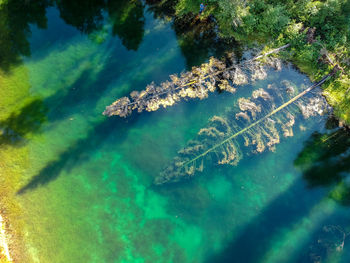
[187, 6]
[272, 20]
[309, 26]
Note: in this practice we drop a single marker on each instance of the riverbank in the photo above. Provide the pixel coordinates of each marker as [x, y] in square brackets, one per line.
[318, 33]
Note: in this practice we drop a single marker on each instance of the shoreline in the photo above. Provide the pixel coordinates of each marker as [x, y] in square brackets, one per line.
[5, 255]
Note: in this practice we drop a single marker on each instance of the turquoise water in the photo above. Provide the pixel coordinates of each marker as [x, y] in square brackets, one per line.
[86, 191]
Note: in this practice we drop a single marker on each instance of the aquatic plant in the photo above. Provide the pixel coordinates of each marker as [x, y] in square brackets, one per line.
[197, 83]
[258, 123]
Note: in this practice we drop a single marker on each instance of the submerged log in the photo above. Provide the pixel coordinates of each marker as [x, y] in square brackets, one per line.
[197, 83]
[220, 139]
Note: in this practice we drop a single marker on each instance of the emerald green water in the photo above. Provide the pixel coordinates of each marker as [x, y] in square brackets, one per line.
[86, 191]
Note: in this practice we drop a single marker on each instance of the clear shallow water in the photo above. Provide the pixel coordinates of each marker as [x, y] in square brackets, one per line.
[85, 184]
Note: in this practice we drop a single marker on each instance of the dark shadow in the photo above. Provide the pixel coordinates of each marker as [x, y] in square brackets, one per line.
[89, 16]
[162, 9]
[325, 161]
[198, 39]
[85, 15]
[329, 240]
[81, 150]
[256, 238]
[128, 21]
[64, 102]
[16, 16]
[29, 120]
[87, 90]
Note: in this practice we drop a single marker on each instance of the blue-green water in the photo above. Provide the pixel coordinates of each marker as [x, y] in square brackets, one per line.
[85, 185]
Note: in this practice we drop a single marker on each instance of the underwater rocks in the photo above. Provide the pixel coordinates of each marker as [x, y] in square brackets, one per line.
[255, 125]
[197, 83]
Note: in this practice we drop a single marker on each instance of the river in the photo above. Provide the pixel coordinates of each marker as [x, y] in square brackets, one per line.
[78, 186]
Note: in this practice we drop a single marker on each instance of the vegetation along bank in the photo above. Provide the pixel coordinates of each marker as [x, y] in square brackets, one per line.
[318, 31]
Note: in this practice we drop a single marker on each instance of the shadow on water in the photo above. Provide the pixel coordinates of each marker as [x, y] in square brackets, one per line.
[80, 151]
[328, 241]
[162, 9]
[16, 16]
[83, 90]
[325, 161]
[197, 37]
[256, 238]
[28, 120]
[15, 19]
[87, 90]
[188, 199]
[198, 40]
[86, 16]
[128, 22]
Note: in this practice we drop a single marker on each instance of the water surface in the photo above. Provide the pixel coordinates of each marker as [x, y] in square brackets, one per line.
[84, 181]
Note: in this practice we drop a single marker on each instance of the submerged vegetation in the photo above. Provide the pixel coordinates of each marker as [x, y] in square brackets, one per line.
[318, 31]
[103, 190]
[211, 76]
[258, 124]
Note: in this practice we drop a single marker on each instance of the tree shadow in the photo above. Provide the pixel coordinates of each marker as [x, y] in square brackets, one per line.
[15, 19]
[88, 89]
[198, 39]
[162, 9]
[16, 16]
[83, 90]
[325, 162]
[89, 16]
[128, 22]
[256, 238]
[328, 241]
[86, 16]
[80, 151]
[17, 126]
